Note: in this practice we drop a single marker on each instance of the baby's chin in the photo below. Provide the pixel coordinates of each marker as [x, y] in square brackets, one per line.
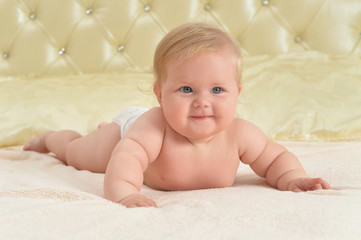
[199, 132]
[200, 137]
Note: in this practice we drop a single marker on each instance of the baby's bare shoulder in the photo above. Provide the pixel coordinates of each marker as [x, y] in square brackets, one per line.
[150, 125]
[244, 126]
[153, 116]
[155, 111]
[148, 131]
[247, 134]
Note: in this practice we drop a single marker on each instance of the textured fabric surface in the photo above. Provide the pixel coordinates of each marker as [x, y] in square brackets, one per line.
[308, 97]
[41, 198]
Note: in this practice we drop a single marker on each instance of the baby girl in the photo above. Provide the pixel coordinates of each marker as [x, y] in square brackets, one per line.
[192, 140]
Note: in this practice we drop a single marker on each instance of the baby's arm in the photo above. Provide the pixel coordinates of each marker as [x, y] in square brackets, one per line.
[284, 171]
[280, 167]
[130, 158]
[124, 176]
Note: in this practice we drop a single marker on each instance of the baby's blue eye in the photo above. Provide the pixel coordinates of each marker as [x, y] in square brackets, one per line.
[217, 90]
[186, 89]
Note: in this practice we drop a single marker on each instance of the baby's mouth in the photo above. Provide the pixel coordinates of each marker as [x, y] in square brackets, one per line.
[200, 117]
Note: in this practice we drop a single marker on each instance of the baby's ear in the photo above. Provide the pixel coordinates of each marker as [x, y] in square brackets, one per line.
[157, 92]
[239, 89]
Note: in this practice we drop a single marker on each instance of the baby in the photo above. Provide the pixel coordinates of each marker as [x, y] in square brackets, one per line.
[193, 140]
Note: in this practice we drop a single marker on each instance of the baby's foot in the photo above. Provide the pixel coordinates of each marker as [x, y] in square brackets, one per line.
[37, 144]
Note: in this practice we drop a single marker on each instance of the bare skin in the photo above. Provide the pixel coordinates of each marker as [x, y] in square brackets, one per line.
[192, 141]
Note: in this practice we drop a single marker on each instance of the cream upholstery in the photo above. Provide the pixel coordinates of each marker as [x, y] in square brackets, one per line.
[68, 64]
[84, 36]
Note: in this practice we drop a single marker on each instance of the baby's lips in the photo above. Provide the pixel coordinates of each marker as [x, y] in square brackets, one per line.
[200, 117]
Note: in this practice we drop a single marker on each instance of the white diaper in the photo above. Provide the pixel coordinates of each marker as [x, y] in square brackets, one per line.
[127, 117]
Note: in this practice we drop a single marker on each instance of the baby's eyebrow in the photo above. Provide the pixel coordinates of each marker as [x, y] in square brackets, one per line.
[184, 82]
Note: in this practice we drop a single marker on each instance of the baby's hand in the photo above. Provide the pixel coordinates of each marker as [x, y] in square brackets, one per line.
[307, 184]
[137, 200]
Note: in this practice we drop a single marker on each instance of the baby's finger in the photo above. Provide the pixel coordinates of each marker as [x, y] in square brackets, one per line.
[316, 180]
[325, 185]
[151, 203]
[146, 202]
[296, 190]
[314, 184]
[320, 184]
[138, 204]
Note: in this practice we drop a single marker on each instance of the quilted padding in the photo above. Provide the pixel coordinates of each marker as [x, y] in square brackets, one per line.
[41, 37]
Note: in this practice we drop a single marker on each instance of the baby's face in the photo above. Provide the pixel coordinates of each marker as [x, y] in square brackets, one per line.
[199, 95]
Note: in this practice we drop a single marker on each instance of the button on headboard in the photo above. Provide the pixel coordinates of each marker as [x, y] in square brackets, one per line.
[52, 37]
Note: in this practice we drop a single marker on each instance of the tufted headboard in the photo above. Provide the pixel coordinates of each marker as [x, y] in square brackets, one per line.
[55, 37]
[69, 64]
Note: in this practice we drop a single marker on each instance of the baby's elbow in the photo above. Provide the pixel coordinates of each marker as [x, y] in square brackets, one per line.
[281, 165]
[258, 170]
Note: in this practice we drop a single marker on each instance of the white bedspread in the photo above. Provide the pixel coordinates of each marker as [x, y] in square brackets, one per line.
[41, 198]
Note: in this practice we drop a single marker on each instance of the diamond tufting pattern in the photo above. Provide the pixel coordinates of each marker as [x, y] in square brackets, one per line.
[52, 37]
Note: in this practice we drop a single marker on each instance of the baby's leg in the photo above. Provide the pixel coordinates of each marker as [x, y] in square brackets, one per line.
[91, 152]
[52, 141]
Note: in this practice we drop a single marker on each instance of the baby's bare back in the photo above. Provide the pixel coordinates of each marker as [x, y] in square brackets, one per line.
[182, 165]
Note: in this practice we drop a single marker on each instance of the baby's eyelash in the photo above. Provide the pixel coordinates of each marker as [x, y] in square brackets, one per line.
[217, 90]
[186, 89]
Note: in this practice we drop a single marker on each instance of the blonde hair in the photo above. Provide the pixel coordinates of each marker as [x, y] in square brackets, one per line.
[188, 40]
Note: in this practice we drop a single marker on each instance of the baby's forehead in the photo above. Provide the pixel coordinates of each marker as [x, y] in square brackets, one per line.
[184, 56]
[190, 55]
[205, 66]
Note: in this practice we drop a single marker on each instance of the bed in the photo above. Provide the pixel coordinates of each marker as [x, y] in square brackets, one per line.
[72, 64]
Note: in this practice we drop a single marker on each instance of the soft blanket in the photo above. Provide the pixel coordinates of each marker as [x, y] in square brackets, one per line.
[41, 198]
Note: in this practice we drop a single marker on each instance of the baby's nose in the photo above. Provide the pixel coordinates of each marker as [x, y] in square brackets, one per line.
[201, 101]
